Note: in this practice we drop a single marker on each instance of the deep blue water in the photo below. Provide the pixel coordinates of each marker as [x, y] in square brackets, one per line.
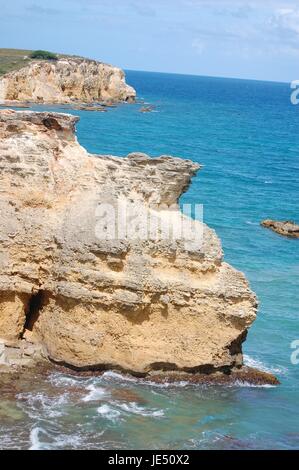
[246, 134]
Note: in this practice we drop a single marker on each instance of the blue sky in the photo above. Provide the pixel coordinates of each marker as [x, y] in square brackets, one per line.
[256, 39]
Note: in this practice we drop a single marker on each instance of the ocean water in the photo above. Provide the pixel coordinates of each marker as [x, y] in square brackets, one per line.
[246, 136]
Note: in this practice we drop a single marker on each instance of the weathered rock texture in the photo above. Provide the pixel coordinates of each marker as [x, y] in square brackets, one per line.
[66, 80]
[285, 228]
[136, 305]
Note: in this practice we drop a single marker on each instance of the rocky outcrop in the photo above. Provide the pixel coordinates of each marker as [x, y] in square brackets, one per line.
[91, 294]
[147, 109]
[285, 228]
[66, 80]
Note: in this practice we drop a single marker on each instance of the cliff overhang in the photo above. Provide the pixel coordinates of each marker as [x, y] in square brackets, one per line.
[80, 293]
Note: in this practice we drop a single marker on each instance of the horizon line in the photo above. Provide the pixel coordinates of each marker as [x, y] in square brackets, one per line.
[157, 71]
[210, 76]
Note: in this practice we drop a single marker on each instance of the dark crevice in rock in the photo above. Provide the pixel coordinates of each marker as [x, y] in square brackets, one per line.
[163, 367]
[34, 306]
[235, 346]
[94, 369]
[52, 123]
[205, 369]
[207, 375]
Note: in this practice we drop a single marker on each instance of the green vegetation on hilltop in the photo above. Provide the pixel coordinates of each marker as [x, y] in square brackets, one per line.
[44, 55]
[15, 59]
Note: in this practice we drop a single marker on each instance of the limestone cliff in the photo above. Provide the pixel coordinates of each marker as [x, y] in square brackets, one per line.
[112, 301]
[66, 80]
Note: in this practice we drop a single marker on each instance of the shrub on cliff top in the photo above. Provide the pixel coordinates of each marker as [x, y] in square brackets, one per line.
[45, 55]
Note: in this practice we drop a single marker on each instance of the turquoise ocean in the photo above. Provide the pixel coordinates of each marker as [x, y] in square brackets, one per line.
[246, 136]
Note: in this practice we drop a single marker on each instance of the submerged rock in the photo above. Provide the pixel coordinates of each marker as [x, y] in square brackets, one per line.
[10, 411]
[91, 294]
[66, 80]
[84, 107]
[127, 395]
[238, 376]
[147, 109]
[286, 228]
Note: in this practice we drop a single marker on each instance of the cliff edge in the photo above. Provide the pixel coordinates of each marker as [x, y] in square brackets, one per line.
[66, 80]
[91, 296]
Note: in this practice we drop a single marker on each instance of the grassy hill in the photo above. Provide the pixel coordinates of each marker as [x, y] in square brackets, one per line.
[15, 59]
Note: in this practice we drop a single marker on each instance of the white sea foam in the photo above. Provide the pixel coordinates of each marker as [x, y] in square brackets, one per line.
[34, 439]
[182, 383]
[127, 378]
[109, 374]
[239, 383]
[143, 381]
[42, 439]
[139, 410]
[257, 364]
[95, 393]
[37, 403]
[108, 412]
[59, 380]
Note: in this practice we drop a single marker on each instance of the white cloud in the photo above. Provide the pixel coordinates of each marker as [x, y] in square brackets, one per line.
[287, 20]
[198, 46]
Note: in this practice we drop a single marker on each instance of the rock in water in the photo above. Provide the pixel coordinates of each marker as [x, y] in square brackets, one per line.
[93, 295]
[66, 80]
[285, 228]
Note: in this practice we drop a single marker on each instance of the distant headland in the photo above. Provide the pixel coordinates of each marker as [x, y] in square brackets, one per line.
[45, 77]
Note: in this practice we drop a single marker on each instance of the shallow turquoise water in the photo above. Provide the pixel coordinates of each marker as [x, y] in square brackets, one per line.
[246, 134]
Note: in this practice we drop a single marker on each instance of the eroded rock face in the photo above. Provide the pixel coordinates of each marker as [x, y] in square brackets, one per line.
[285, 228]
[66, 80]
[94, 298]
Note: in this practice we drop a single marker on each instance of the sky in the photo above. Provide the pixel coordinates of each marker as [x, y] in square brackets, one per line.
[253, 39]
